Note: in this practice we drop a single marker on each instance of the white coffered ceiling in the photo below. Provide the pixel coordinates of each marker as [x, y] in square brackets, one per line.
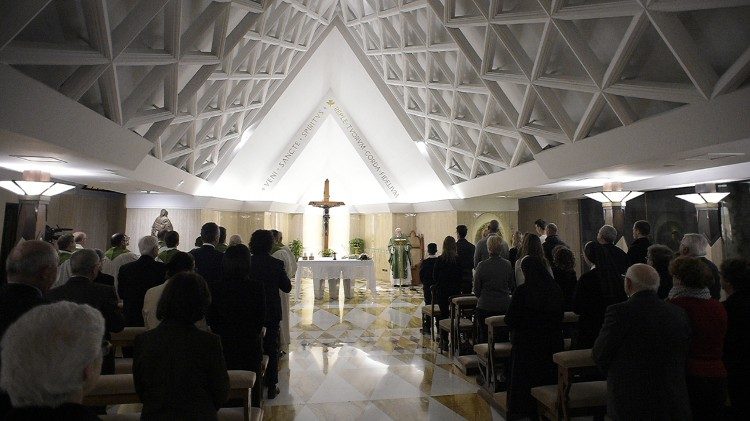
[487, 85]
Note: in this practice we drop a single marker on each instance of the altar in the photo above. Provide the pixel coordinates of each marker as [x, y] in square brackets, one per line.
[333, 270]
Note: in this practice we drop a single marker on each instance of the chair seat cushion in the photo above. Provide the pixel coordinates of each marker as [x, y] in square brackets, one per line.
[128, 334]
[570, 317]
[113, 384]
[465, 324]
[429, 311]
[495, 321]
[582, 395]
[466, 301]
[502, 350]
[445, 324]
[239, 379]
[123, 366]
[575, 358]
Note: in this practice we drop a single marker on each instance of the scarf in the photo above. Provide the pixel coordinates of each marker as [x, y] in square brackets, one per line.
[683, 291]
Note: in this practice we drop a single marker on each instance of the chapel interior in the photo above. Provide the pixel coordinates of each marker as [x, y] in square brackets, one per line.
[363, 131]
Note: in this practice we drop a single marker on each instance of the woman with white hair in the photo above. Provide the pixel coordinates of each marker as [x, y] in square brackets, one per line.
[51, 357]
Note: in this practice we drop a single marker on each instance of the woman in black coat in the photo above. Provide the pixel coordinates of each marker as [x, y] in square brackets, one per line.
[270, 273]
[564, 272]
[447, 275]
[178, 369]
[535, 320]
[237, 311]
[596, 290]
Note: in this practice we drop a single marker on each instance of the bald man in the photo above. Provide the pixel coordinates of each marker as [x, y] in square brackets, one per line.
[31, 268]
[643, 347]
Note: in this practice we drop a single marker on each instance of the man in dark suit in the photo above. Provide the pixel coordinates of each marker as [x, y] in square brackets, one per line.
[135, 278]
[553, 240]
[480, 251]
[81, 289]
[639, 248]
[465, 258]
[207, 258]
[643, 347]
[32, 269]
[269, 272]
[616, 257]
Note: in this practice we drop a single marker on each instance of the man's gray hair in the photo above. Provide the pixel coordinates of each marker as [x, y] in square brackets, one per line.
[46, 350]
[643, 277]
[235, 240]
[28, 259]
[608, 234]
[148, 244]
[82, 262]
[694, 245]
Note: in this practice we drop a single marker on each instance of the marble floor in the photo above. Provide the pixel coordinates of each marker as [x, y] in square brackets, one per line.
[364, 358]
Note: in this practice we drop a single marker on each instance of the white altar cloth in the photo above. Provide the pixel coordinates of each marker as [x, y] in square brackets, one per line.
[327, 268]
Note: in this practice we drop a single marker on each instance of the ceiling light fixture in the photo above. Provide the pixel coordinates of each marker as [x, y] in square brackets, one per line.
[614, 194]
[705, 194]
[35, 183]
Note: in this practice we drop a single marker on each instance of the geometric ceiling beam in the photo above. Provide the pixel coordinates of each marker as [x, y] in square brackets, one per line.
[592, 111]
[170, 142]
[37, 53]
[135, 22]
[581, 49]
[239, 31]
[15, 15]
[143, 91]
[514, 49]
[191, 88]
[518, 154]
[209, 94]
[251, 5]
[200, 25]
[625, 49]
[110, 91]
[81, 80]
[684, 93]
[734, 75]
[598, 10]
[621, 108]
[679, 41]
[555, 108]
[689, 5]
[154, 133]
[97, 26]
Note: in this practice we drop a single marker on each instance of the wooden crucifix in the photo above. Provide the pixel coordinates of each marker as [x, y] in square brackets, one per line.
[326, 204]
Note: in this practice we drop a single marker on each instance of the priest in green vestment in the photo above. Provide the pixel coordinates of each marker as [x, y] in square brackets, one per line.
[399, 259]
[119, 244]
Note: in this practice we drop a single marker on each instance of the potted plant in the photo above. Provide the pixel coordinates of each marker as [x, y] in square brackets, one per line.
[327, 253]
[296, 247]
[356, 246]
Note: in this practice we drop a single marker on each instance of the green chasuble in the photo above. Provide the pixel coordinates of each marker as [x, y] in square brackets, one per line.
[222, 247]
[400, 261]
[63, 255]
[114, 252]
[167, 254]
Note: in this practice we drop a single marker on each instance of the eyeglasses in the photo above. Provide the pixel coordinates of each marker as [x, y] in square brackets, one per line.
[106, 347]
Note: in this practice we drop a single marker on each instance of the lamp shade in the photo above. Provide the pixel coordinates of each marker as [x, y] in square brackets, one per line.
[703, 198]
[621, 196]
[35, 188]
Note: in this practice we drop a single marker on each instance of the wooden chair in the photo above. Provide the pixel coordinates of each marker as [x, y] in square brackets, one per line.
[463, 309]
[455, 324]
[501, 353]
[501, 357]
[126, 338]
[569, 398]
[431, 311]
[116, 389]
